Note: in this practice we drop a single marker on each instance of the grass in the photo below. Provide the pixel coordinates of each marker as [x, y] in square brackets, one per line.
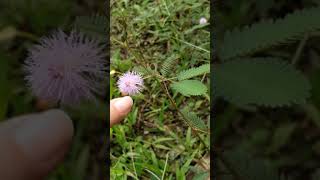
[154, 142]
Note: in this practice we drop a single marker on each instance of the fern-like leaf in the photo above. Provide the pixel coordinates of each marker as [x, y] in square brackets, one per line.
[190, 73]
[269, 33]
[194, 121]
[261, 81]
[190, 87]
[168, 65]
[95, 25]
[143, 70]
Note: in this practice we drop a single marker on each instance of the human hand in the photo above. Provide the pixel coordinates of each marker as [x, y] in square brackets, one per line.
[32, 145]
[119, 108]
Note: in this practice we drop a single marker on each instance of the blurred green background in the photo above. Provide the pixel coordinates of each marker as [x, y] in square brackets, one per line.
[22, 23]
[254, 142]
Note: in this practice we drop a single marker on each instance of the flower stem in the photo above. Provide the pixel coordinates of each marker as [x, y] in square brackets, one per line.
[27, 35]
[164, 87]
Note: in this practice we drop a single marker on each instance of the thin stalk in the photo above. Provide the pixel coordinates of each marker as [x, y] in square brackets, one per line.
[176, 107]
[154, 175]
[299, 49]
[164, 87]
[192, 45]
[228, 165]
[27, 35]
[134, 166]
[165, 167]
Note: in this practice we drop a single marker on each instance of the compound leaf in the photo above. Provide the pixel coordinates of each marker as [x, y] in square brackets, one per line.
[261, 81]
[190, 87]
[193, 72]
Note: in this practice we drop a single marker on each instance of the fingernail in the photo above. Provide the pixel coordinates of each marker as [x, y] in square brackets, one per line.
[44, 134]
[124, 104]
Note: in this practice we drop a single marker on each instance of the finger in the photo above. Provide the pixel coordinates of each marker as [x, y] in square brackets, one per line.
[119, 108]
[32, 145]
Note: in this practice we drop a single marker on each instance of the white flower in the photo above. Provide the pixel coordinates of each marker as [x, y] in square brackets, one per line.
[203, 20]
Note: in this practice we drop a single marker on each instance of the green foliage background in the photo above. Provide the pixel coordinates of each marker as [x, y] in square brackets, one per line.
[22, 23]
[164, 41]
[266, 79]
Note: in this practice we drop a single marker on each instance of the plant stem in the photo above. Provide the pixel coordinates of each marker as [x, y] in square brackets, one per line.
[312, 112]
[176, 107]
[27, 35]
[299, 49]
[192, 45]
[133, 165]
[164, 87]
[229, 166]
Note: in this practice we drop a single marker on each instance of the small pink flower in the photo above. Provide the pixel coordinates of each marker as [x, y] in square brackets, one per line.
[130, 83]
[66, 68]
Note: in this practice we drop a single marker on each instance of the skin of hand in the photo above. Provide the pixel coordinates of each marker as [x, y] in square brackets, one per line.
[31, 146]
[119, 108]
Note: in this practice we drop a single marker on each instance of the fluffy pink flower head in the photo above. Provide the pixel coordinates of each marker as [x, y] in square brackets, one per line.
[130, 83]
[66, 68]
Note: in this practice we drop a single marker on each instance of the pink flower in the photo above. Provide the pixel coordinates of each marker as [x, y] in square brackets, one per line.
[130, 83]
[66, 68]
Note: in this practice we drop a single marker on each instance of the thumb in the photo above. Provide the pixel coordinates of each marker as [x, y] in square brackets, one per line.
[32, 145]
[119, 108]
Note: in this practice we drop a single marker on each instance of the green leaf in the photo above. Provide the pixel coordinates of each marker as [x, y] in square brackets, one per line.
[260, 81]
[201, 176]
[281, 136]
[190, 87]
[168, 65]
[144, 70]
[194, 121]
[269, 33]
[193, 72]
